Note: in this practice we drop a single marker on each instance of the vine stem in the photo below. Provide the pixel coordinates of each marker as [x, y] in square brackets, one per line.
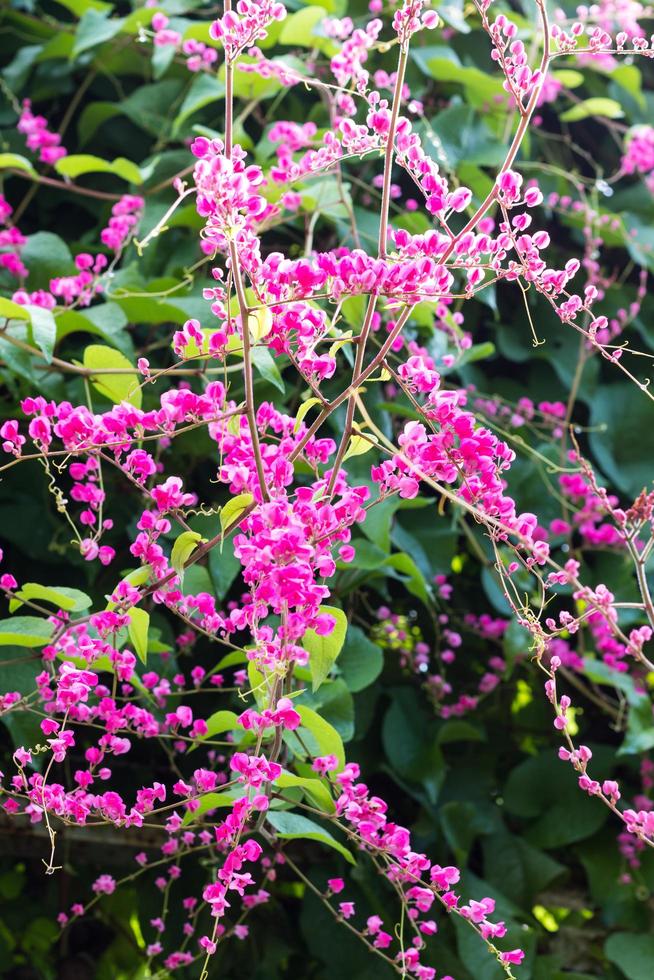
[490, 199]
[381, 252]
[247, 370]
[64, 185]
[229, 96]
[354, 384]
[520, 132]
[351, 405]
[390, 148]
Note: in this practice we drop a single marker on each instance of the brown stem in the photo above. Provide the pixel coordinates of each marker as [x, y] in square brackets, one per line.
[390, 148]
[65, 185]
[247, 370]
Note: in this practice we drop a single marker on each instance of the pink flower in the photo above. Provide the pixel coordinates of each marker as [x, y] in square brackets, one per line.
[514, 957]
[104, 885]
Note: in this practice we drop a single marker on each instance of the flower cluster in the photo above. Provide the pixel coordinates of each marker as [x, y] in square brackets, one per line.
[288, 501]
[39, 138]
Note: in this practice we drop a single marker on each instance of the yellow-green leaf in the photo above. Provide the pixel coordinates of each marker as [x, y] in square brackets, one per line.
[358, 446]
[568, 77]
[318, 735]
[298, 30]
[137, 577]
[344, 339]
[13, 311]
[44, 330]
[139, 623]
[25, 631]
[258, 685]
[183, 548]
[120, 387]
[210, 801]
[323, 650]
[78, 164]
[597, 106]
[302, 411]
[314, 789]
[260, 323]
[233, 509]
[15, 161]
[70, 600]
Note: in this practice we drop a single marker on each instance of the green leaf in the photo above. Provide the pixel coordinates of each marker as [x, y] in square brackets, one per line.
[250, 85]
[639, 737]
[183, 548]
[318, 735]
[204, 90]
[600, 673]
[116, 387]
[465, 137]
[25, 631]
[511, 864]
[79, 7]
[415, 582]
[95, 28]
[78, 164]
[70, 600]
[233, 509]
[629, 78]
[197, 579]
[18, 668]
[44, 330]
[46, 255]
[632, 953]
[140, 17]
[478, 352]
[368, 556]
[139, 623]
[224, 567]
[323, 650]
[14, 161]
[453, 14]
[542, 787]
[361, 661]
[596, 106]
[24, 729]
[162, 58]
[479, 86]
[333, 702]
[267, 368]
[622, 435]
[293, 826]
[93, 116]
[106, 320]
[148, 106]
[377, 525]
[257, 684]
[457, 730]
[409, 742]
